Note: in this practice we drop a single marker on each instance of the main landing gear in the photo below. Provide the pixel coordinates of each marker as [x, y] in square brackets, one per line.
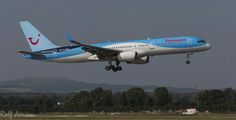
[188, 58]
[114, 68]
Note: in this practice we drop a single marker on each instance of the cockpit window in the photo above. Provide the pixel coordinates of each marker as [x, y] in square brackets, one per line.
[201, 41]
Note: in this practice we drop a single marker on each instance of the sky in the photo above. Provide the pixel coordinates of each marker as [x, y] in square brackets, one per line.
[92, 21]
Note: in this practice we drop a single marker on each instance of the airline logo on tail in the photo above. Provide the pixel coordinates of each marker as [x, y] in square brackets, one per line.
[32, 42]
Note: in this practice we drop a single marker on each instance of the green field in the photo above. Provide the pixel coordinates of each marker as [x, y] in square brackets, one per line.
[127, 117]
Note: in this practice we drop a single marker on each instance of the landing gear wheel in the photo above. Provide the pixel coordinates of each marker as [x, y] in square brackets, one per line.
[114, 69]
[188, 62]
[119, 68]
[107, 68]
[188, 58]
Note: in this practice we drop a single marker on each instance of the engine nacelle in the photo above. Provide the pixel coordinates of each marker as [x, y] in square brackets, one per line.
[132, 57]
[128, 56]
[142, 60]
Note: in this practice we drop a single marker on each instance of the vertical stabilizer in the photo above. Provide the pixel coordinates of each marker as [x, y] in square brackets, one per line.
[36, 40]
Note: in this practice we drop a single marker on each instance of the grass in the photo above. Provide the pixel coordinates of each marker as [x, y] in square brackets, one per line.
[128, 117]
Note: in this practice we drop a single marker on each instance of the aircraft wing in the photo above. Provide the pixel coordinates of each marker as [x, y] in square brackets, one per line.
[101, 52]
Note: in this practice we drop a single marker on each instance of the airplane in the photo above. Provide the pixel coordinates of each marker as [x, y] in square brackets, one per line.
[131, 52]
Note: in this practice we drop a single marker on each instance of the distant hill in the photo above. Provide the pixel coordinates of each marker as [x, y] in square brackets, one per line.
[65, 85]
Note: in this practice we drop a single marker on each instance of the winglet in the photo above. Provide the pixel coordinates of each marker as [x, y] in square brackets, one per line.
[69, 36]
[71, 39]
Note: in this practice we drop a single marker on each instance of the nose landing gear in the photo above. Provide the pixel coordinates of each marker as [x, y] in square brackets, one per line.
[187, 61]
[113, 68]
[188, 58]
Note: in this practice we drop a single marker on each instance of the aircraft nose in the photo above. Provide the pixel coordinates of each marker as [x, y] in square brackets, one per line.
[208, 46]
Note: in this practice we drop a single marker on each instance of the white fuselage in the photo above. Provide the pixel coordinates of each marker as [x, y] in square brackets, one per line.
[142, 48]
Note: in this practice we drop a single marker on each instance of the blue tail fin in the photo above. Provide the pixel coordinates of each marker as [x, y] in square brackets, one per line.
[37, 41]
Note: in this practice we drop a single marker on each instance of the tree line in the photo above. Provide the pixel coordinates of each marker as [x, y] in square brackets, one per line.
[134, 99]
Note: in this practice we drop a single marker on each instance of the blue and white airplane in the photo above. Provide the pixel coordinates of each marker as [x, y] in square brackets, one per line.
[131, 52]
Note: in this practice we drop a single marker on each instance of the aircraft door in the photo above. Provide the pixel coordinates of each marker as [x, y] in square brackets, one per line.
[152, 45]
[190, 42]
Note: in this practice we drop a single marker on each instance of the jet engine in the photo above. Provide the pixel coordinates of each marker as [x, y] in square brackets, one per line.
[142, 60]
[127, 56]
[131, 57]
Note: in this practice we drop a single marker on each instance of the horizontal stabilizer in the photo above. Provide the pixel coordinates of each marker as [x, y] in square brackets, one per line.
[32, 54]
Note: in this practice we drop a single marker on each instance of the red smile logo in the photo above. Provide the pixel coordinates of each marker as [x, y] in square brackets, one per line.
[32, 42]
